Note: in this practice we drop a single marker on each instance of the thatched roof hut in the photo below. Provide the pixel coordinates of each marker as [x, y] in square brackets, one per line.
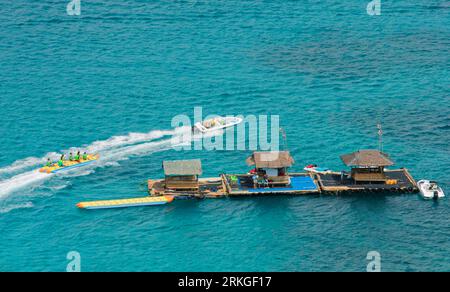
[273, 159]
[182, 167]
[367, 165]
[182, 174]
[367, 158]
[272, 166]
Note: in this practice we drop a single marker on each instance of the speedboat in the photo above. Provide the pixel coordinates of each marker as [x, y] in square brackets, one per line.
[430, 189]
[217, 123]
[315, 169]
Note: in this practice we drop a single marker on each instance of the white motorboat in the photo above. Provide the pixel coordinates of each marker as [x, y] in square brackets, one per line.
[315, 169]
[430, 189]
[217, 123]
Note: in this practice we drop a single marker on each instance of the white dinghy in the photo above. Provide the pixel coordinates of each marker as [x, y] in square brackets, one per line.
[316, 169]
[217, 123]
[430, 189]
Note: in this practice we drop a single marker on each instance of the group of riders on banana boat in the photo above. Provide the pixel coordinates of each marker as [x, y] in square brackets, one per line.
[78, 157]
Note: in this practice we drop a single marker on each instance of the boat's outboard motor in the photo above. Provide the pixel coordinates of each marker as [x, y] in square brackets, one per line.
[435, 195]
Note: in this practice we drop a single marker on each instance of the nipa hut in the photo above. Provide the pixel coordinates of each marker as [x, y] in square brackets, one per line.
[182, 174]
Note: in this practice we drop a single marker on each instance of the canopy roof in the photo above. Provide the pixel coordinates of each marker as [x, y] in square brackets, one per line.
[182, 167]
[367, 158]
[274, 159]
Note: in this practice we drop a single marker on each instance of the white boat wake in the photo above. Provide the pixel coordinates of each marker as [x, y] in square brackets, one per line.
[25, 177]
[24, 164]
[11, 207]
[95, 147]
[20, 181]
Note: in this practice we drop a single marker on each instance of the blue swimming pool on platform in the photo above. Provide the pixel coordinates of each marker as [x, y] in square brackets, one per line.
[298, 183]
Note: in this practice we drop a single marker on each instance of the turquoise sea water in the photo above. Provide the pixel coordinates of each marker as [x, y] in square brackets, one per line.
[329, 70]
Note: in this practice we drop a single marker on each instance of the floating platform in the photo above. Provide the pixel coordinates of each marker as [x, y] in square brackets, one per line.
[270, 177]
[238, 185]
[234, 185]
[400, 181]
[212, 187]
[122, 203]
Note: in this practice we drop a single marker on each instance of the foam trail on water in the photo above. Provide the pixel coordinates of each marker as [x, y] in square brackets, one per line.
[120, 154]
[111, 151]
[25, 163]
[131, 138]
[95, 147]
[175, 141]
[20, 181]
[9, 208]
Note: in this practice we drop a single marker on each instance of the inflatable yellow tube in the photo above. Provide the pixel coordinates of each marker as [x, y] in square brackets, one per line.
[122, 203]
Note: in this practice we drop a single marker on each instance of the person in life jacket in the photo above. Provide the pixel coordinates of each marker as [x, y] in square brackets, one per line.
[71, 156]
[49, 162]
[85, 156]
[77, 157]
[61, 161]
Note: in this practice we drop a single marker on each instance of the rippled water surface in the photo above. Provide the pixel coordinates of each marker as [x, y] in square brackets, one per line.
[112, 79]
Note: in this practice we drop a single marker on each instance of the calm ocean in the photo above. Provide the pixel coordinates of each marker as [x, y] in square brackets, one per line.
[112, 79]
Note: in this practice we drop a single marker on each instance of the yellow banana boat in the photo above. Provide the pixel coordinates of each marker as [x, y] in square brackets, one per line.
[67, 164]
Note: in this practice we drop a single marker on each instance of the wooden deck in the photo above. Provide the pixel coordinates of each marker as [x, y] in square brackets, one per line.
[208, 187]
[398, 180]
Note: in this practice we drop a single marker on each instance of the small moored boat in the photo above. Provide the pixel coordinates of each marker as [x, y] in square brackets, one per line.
[217, 123]
[315, 169]
[430, 189]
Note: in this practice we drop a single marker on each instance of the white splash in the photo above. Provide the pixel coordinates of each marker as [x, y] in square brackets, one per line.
[112, 151]
[25, 163]
[7, 209]
[27, 179]
[131, 138]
